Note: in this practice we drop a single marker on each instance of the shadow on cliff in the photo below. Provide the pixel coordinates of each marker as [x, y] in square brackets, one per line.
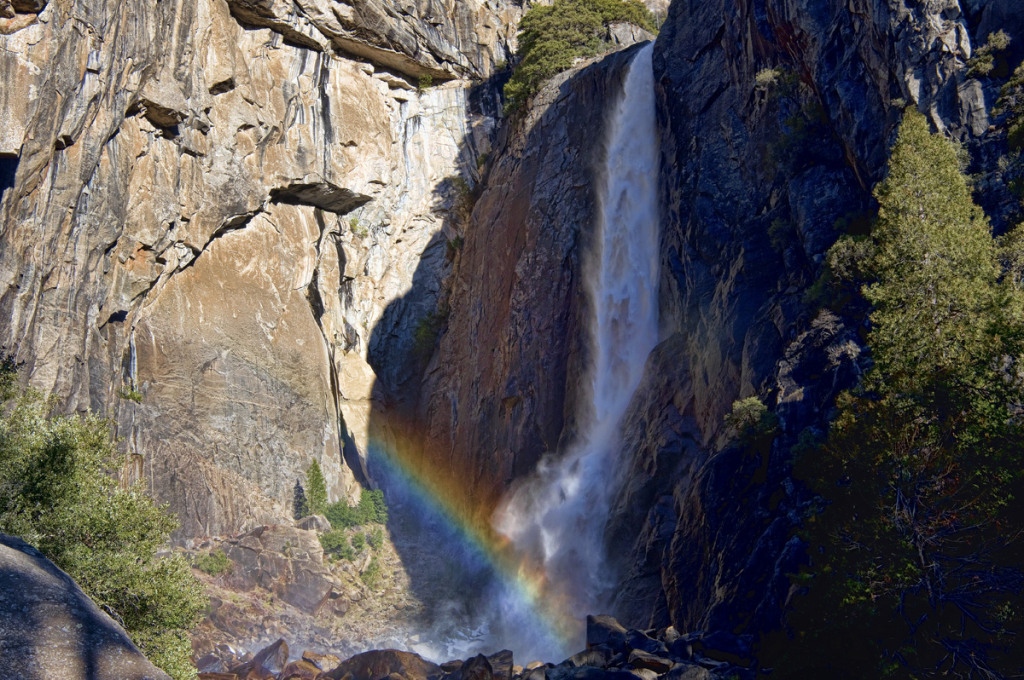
[438, 552]
[439, 519]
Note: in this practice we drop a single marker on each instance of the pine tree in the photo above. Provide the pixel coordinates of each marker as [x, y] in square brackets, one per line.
[316, 497]
[915, 563]
[299, 501]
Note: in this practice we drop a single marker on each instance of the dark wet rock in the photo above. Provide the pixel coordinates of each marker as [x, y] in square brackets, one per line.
[501, 664]
[274, 657]
[50, 629]
[606, 631]
[638, 640]
[682, 648]
[477, 668]
[597, 656]
[587, 673]
[724, 646]
[642, 659]
[688, 672]
[377, 665]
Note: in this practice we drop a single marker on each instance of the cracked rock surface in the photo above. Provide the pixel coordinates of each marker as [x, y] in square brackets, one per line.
[205, 215]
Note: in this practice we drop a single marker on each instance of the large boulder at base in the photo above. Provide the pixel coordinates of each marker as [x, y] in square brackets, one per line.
[50, 629]
[377, 665]
[604, 630]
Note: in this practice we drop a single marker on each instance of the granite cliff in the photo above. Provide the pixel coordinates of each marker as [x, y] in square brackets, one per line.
[208, 205]
[230, 225]
[775, 119]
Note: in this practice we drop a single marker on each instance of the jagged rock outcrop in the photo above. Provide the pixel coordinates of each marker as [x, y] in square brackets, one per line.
[207, 208]
[49, 628]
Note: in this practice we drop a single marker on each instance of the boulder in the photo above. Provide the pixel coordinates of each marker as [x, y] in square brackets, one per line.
[642, 659]
[605, 630]
[50, 629]
[598, 656]
[688, 672]
[379, 664]
[478, 668]
[325, 662]
[501, 665]
[300, 670]
[273, 657]
[317, 523]
[638, 640]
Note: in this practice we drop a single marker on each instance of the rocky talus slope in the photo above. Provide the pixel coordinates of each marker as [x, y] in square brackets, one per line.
[612, 653]
[207, 206]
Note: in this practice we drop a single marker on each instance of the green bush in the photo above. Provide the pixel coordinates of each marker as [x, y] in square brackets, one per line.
[426, 334]
[376, 538]
[424, 83]
[371, 577]
[983, 63]
[58, 491]
[358, 541]
[552, 37]
[336, 543]
[213, 563]
[371, 509]
[750, 419]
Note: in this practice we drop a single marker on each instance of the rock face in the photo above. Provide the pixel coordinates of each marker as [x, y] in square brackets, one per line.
[716, 538]
[49, 628]
[207, 206]
[760, 176]
[499, 390]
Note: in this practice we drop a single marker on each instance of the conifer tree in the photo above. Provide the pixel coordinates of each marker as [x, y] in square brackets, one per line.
[316, 495]
[916, 563]
[299, 501]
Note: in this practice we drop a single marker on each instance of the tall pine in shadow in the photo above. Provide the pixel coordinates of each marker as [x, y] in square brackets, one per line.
[916, 564]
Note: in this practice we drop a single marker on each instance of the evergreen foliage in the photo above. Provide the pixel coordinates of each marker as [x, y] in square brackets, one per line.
[376, 538]
[358, 541]
[552, 37]
[916, 566]
[316, 497]
[371, 577]
[336, 543]
[299, 501]
[371, 509]
[58, 492]
[213, 563]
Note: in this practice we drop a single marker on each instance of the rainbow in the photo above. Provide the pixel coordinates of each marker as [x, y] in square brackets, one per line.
[540, 621]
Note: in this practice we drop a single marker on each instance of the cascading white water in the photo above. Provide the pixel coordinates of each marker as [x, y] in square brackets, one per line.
[558, 516]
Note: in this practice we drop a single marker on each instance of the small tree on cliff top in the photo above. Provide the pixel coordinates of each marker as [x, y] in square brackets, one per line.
[552, 37]
[316, 493]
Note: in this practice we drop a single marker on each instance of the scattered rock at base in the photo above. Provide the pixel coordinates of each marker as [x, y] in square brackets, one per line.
[325, 662]
[377, 665]
[50, 629]
[658, 664]
[501, 664]
[604, 630]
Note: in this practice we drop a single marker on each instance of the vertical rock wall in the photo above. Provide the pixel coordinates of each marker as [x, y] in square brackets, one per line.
[207, 207]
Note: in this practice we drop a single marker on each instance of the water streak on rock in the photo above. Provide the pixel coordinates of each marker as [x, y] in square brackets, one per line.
[558, 516]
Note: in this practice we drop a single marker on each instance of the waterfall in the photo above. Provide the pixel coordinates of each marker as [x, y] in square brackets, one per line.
[557, 517]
